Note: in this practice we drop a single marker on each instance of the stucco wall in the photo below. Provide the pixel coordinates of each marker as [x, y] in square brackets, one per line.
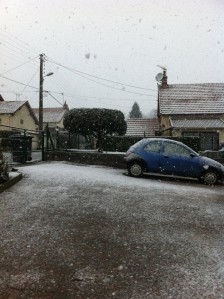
[14, 120]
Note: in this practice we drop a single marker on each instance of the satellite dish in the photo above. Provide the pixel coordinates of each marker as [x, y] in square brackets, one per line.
[159, 77]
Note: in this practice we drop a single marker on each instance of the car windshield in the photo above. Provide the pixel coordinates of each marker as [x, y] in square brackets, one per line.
[137, 144]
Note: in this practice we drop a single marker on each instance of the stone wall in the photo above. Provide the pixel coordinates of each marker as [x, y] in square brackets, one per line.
[115, 160]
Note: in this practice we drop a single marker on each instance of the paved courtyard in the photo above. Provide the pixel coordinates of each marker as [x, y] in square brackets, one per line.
[70, 231]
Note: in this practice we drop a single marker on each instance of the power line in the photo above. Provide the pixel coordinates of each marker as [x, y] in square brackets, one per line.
[28, 82]
[18, 41]
[18, 82]
[17, 52]
[61, 92]
[12, 57]
[15, 47]
[54, 98]
[97, 77]
[18, 66]
[103, 98]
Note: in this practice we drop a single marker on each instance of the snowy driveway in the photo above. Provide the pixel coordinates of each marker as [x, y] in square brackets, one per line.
[71, 231]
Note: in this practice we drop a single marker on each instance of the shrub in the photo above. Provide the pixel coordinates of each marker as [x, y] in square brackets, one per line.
[4, 169]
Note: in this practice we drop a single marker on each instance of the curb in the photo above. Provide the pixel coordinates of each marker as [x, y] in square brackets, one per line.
[12, 181]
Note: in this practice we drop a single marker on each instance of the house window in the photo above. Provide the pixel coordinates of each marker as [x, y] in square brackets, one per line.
[21, 121]
[0, 120]
[191, 134]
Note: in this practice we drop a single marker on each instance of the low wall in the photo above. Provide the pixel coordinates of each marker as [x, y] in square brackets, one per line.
[115, 160]
[13, 179]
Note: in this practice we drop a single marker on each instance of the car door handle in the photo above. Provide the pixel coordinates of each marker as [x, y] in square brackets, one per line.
[165, 156]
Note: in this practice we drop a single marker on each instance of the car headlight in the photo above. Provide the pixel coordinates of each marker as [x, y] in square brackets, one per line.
[205, 167]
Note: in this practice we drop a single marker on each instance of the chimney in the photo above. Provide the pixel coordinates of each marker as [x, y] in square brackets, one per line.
[65, 106]
[164, 79]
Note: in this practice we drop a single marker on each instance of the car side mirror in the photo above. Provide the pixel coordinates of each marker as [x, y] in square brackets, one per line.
[192, 155]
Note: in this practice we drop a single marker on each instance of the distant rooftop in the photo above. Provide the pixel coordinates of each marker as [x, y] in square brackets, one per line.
[142, 127]
[52, 115]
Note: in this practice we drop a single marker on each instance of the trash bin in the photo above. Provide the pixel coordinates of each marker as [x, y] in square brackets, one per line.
[21, 148]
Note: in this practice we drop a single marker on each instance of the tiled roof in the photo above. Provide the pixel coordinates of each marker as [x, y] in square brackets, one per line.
[10, 107]
[197, 123]
[142, 127]
[192, 99]
[51, 115]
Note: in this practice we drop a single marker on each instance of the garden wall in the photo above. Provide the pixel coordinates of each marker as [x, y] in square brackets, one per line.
[115, 160]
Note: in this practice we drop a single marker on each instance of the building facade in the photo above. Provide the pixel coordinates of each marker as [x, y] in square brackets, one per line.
[192, 110]
[18, 117]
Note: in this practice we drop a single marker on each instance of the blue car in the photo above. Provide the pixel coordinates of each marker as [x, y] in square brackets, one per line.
[170, 157]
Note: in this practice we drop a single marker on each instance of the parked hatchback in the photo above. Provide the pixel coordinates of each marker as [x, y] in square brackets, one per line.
[170, 157]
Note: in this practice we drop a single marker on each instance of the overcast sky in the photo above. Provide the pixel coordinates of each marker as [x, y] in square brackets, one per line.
[117, 40]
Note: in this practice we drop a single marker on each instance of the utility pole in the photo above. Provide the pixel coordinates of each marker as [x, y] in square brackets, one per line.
[41, 95]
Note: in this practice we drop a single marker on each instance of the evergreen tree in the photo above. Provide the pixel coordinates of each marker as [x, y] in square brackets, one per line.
[95, 122]
[135, 111]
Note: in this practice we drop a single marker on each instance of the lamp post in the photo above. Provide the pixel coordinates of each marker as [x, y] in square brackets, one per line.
[41, 100]
[57, 137]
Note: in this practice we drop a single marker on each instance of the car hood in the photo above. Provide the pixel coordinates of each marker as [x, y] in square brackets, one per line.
[210, 162]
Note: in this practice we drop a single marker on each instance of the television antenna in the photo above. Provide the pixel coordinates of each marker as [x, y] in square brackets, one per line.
[162, 67]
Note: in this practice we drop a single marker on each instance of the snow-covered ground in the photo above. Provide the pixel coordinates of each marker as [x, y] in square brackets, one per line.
[67, 174]
[72, 231]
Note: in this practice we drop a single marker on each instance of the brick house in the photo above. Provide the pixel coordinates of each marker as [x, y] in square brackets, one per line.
[17, 117]
[192, 110]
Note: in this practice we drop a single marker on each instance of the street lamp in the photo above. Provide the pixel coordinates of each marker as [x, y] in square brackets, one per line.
[41, 99]
[41, 105]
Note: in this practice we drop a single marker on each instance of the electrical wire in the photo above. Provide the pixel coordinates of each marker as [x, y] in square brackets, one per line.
[96, 77]
[123, 90]
[28, 83]
[18, 41]
[18, 82]
[18, 66]
[48, 92]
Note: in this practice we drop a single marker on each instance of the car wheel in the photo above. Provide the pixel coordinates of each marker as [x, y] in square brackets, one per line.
[135, 169]
[210, 178]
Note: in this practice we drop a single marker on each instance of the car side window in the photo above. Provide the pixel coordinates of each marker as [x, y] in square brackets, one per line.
[153, 146]
[175, 149]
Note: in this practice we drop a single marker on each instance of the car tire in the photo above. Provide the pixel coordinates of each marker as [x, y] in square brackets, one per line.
[135, 169]
[210, 178]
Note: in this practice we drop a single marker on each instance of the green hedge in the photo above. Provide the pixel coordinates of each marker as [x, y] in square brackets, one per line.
[122, 143]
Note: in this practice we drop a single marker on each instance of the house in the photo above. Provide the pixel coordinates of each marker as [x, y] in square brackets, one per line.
[142, 127]
[18, 117]
[53, 116]
[192, 110]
